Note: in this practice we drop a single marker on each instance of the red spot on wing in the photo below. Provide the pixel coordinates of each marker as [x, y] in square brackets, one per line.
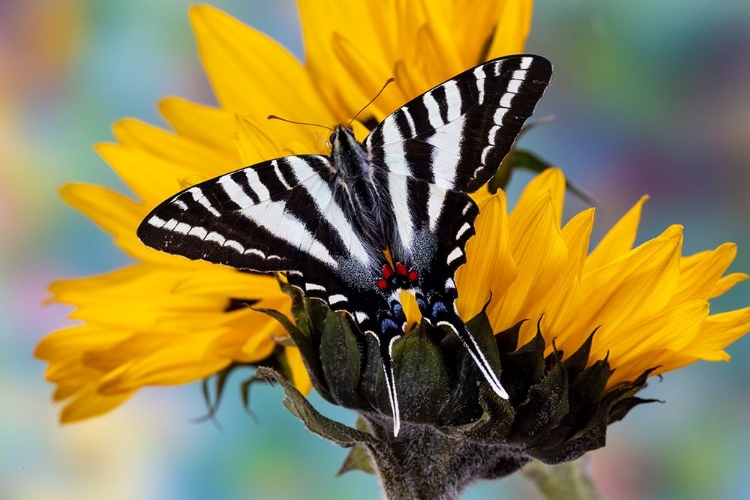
[400, 269]
[382, 284]
[387, 271]
[413, 276]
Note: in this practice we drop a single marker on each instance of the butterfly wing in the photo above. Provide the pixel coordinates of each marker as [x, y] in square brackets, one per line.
[441, 145]
[456, 134]
[284, 215]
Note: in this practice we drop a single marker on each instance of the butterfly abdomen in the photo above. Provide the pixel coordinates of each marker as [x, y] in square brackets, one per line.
[359, 182]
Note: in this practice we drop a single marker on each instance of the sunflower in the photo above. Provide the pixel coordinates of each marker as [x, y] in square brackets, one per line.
[166, 320]
[648, 305]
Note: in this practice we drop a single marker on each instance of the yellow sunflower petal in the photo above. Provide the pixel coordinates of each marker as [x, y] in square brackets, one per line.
[513, 27]
[726, 283]
[233, 54]
[719, 331]
[618, 240]
[204, 124]
[490, 268]
[630, 289]
[700, 273]
[198, 157]
[300, 377]
[540, 253]
[562, 304]
[89, 403]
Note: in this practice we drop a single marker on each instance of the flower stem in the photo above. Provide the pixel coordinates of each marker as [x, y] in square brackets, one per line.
[567, 481]
[423, 463]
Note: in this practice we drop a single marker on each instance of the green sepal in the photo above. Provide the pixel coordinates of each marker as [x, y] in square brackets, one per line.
[340, 358]
[543, 410]
[507, 340]
[523, 368]
[420, 375]
[463, 385]
[299, 312]
[358, 458]
[301, 408]
[480, 328]
[305, 345]
[576, 362]
[585, 394]
[495, 423]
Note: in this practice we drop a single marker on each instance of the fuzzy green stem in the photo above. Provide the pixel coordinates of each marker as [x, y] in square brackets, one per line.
[423, 463]
[567, 481]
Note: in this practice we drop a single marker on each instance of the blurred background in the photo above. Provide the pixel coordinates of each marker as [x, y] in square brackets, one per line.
[649, 97]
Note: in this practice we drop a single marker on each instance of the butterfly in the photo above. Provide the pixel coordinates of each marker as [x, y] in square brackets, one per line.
[358, 227]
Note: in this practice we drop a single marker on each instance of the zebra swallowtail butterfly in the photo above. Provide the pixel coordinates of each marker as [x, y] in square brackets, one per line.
[326, 220]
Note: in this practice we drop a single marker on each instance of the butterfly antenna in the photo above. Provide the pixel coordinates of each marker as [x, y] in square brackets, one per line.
[274, 117]
[387, 82]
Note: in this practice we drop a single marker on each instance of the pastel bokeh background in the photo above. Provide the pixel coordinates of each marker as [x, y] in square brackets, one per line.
[650, 97]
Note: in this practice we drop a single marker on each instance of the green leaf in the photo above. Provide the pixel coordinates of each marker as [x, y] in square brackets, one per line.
[357, 459]
[301, 408]
[569, 481]
[306, 349]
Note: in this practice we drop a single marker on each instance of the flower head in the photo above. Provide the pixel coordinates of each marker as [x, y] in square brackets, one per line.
[166, 320]
[574, 334]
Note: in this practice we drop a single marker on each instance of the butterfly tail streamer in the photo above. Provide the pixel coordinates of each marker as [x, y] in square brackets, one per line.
[458, 327]
[386, 359]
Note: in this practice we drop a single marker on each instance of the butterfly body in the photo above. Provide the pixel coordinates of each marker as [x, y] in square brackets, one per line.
[328, 220]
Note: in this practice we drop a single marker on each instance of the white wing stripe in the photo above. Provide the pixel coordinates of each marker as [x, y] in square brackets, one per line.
[399, 198]
[453, 98]
[257, 185]
[435, 205]
[433, 110]
[506, 100]
[235, 192]
[278, 173]
[463, 230]
[234, 245]
[180, 203]
[327, 206]
[454, 255]
[480, 76]
[273, 216]
[447, 149]
[200, 198]
[156, 221]
[198, 232]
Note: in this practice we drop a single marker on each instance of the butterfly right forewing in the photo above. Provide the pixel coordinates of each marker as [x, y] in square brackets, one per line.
[456, 134]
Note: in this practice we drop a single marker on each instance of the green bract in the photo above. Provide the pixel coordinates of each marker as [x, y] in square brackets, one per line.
[453, 425]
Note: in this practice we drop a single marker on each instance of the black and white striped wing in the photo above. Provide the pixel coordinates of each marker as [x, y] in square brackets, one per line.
[283, 215]
[279, 215]
[456, 134]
